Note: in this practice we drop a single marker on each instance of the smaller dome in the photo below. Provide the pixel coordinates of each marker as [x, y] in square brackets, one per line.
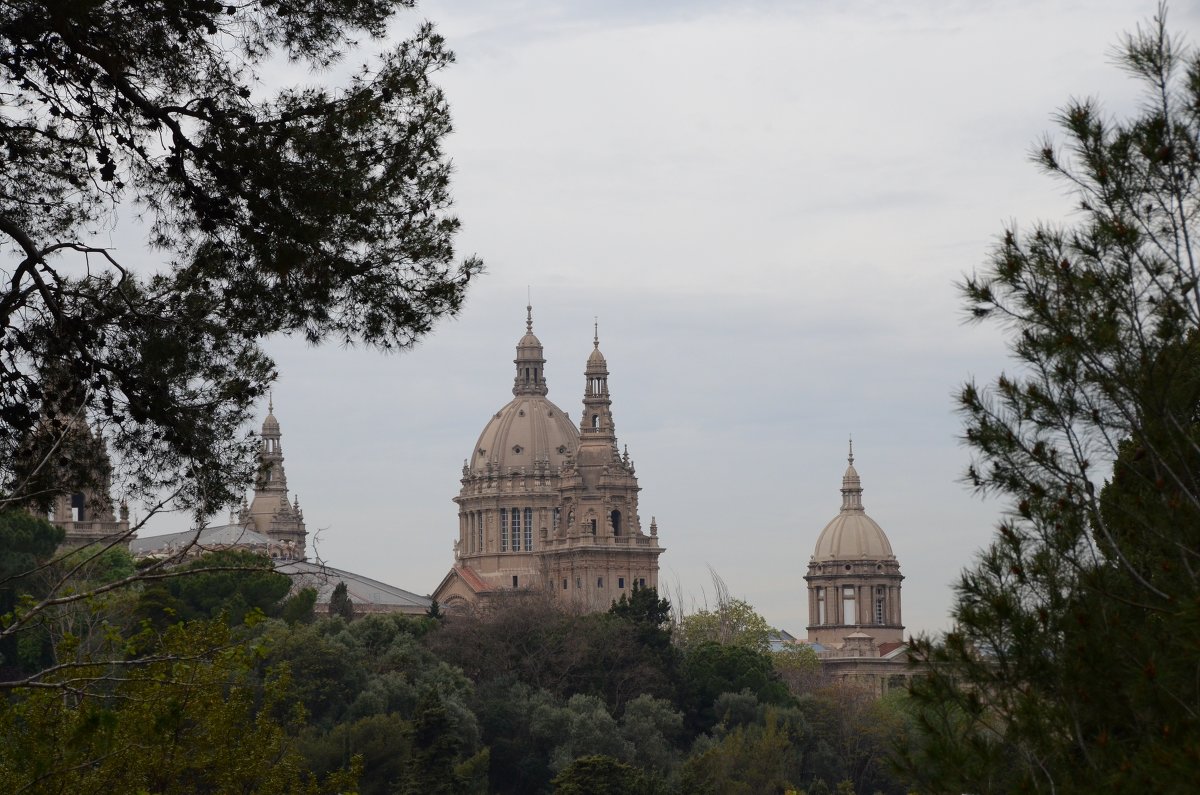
[270, 425]
[596, 358]
[852, 535]
[530, 340]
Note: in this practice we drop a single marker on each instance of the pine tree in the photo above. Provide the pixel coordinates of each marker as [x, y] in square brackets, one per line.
[1072, 666]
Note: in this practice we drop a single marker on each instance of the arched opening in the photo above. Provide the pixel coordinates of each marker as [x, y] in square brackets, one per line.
[615, 516]
[595, 420]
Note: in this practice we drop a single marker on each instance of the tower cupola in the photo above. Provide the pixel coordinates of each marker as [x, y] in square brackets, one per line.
[597, 422]
[530, 361]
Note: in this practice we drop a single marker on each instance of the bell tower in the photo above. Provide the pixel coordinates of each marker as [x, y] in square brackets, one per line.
[270, 511]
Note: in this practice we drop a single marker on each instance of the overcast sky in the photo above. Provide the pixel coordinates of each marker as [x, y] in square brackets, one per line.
[767, 206]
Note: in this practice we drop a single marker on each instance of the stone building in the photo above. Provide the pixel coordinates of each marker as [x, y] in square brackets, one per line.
[272, 525]
[85, 513]
[548, 506]
[853, 576]
[854, 616]
[269, 512]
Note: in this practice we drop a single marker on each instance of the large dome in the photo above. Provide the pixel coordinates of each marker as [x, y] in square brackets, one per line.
[852, 535]
[529, 429]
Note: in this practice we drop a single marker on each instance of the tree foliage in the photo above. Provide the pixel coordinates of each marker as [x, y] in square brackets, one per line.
[310, 210]
[175, 724]
[1073, 663]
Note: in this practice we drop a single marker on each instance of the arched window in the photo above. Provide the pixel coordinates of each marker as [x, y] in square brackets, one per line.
[595, 420]
[616, 522]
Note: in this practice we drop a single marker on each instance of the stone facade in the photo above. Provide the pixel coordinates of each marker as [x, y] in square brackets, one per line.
[86, 513]
[853, 576]
[854, 618]
[269, 512]
[548, 506]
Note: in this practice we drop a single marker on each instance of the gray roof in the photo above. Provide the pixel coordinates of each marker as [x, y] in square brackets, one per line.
[363, 591]
[219, 537]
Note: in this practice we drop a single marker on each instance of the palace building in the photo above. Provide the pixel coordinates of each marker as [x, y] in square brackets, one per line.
[854, 619]
[549, 506]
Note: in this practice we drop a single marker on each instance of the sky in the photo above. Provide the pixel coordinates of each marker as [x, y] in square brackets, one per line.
[767, 206]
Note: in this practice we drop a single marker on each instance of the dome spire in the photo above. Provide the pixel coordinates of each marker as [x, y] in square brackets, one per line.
[597, 419]
[851, 485]
[530, 362]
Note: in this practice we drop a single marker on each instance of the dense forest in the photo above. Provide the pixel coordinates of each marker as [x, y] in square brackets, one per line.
[222, 678]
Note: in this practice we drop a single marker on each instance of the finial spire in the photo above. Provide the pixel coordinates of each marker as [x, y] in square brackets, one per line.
[270, 401]
[851, 485]
[529, 318]
[596, 332]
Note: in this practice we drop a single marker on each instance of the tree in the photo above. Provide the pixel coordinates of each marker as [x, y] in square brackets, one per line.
[25, 542]
[711, 669]
[756, 758]
[600, 775]
[1072, 663]
[176, 724]
[340, 603]
[734, 622]
[320, 211]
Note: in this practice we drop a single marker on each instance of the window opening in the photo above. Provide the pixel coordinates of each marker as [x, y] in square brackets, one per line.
[599, 582]
[528, 529]
[616, 522]
[514, 581]
[820, 605]
[503, 529]
[848, 616]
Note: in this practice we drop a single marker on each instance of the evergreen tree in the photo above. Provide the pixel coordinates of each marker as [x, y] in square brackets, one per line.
[340, 603]
[1072, 664]
[312, 210]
